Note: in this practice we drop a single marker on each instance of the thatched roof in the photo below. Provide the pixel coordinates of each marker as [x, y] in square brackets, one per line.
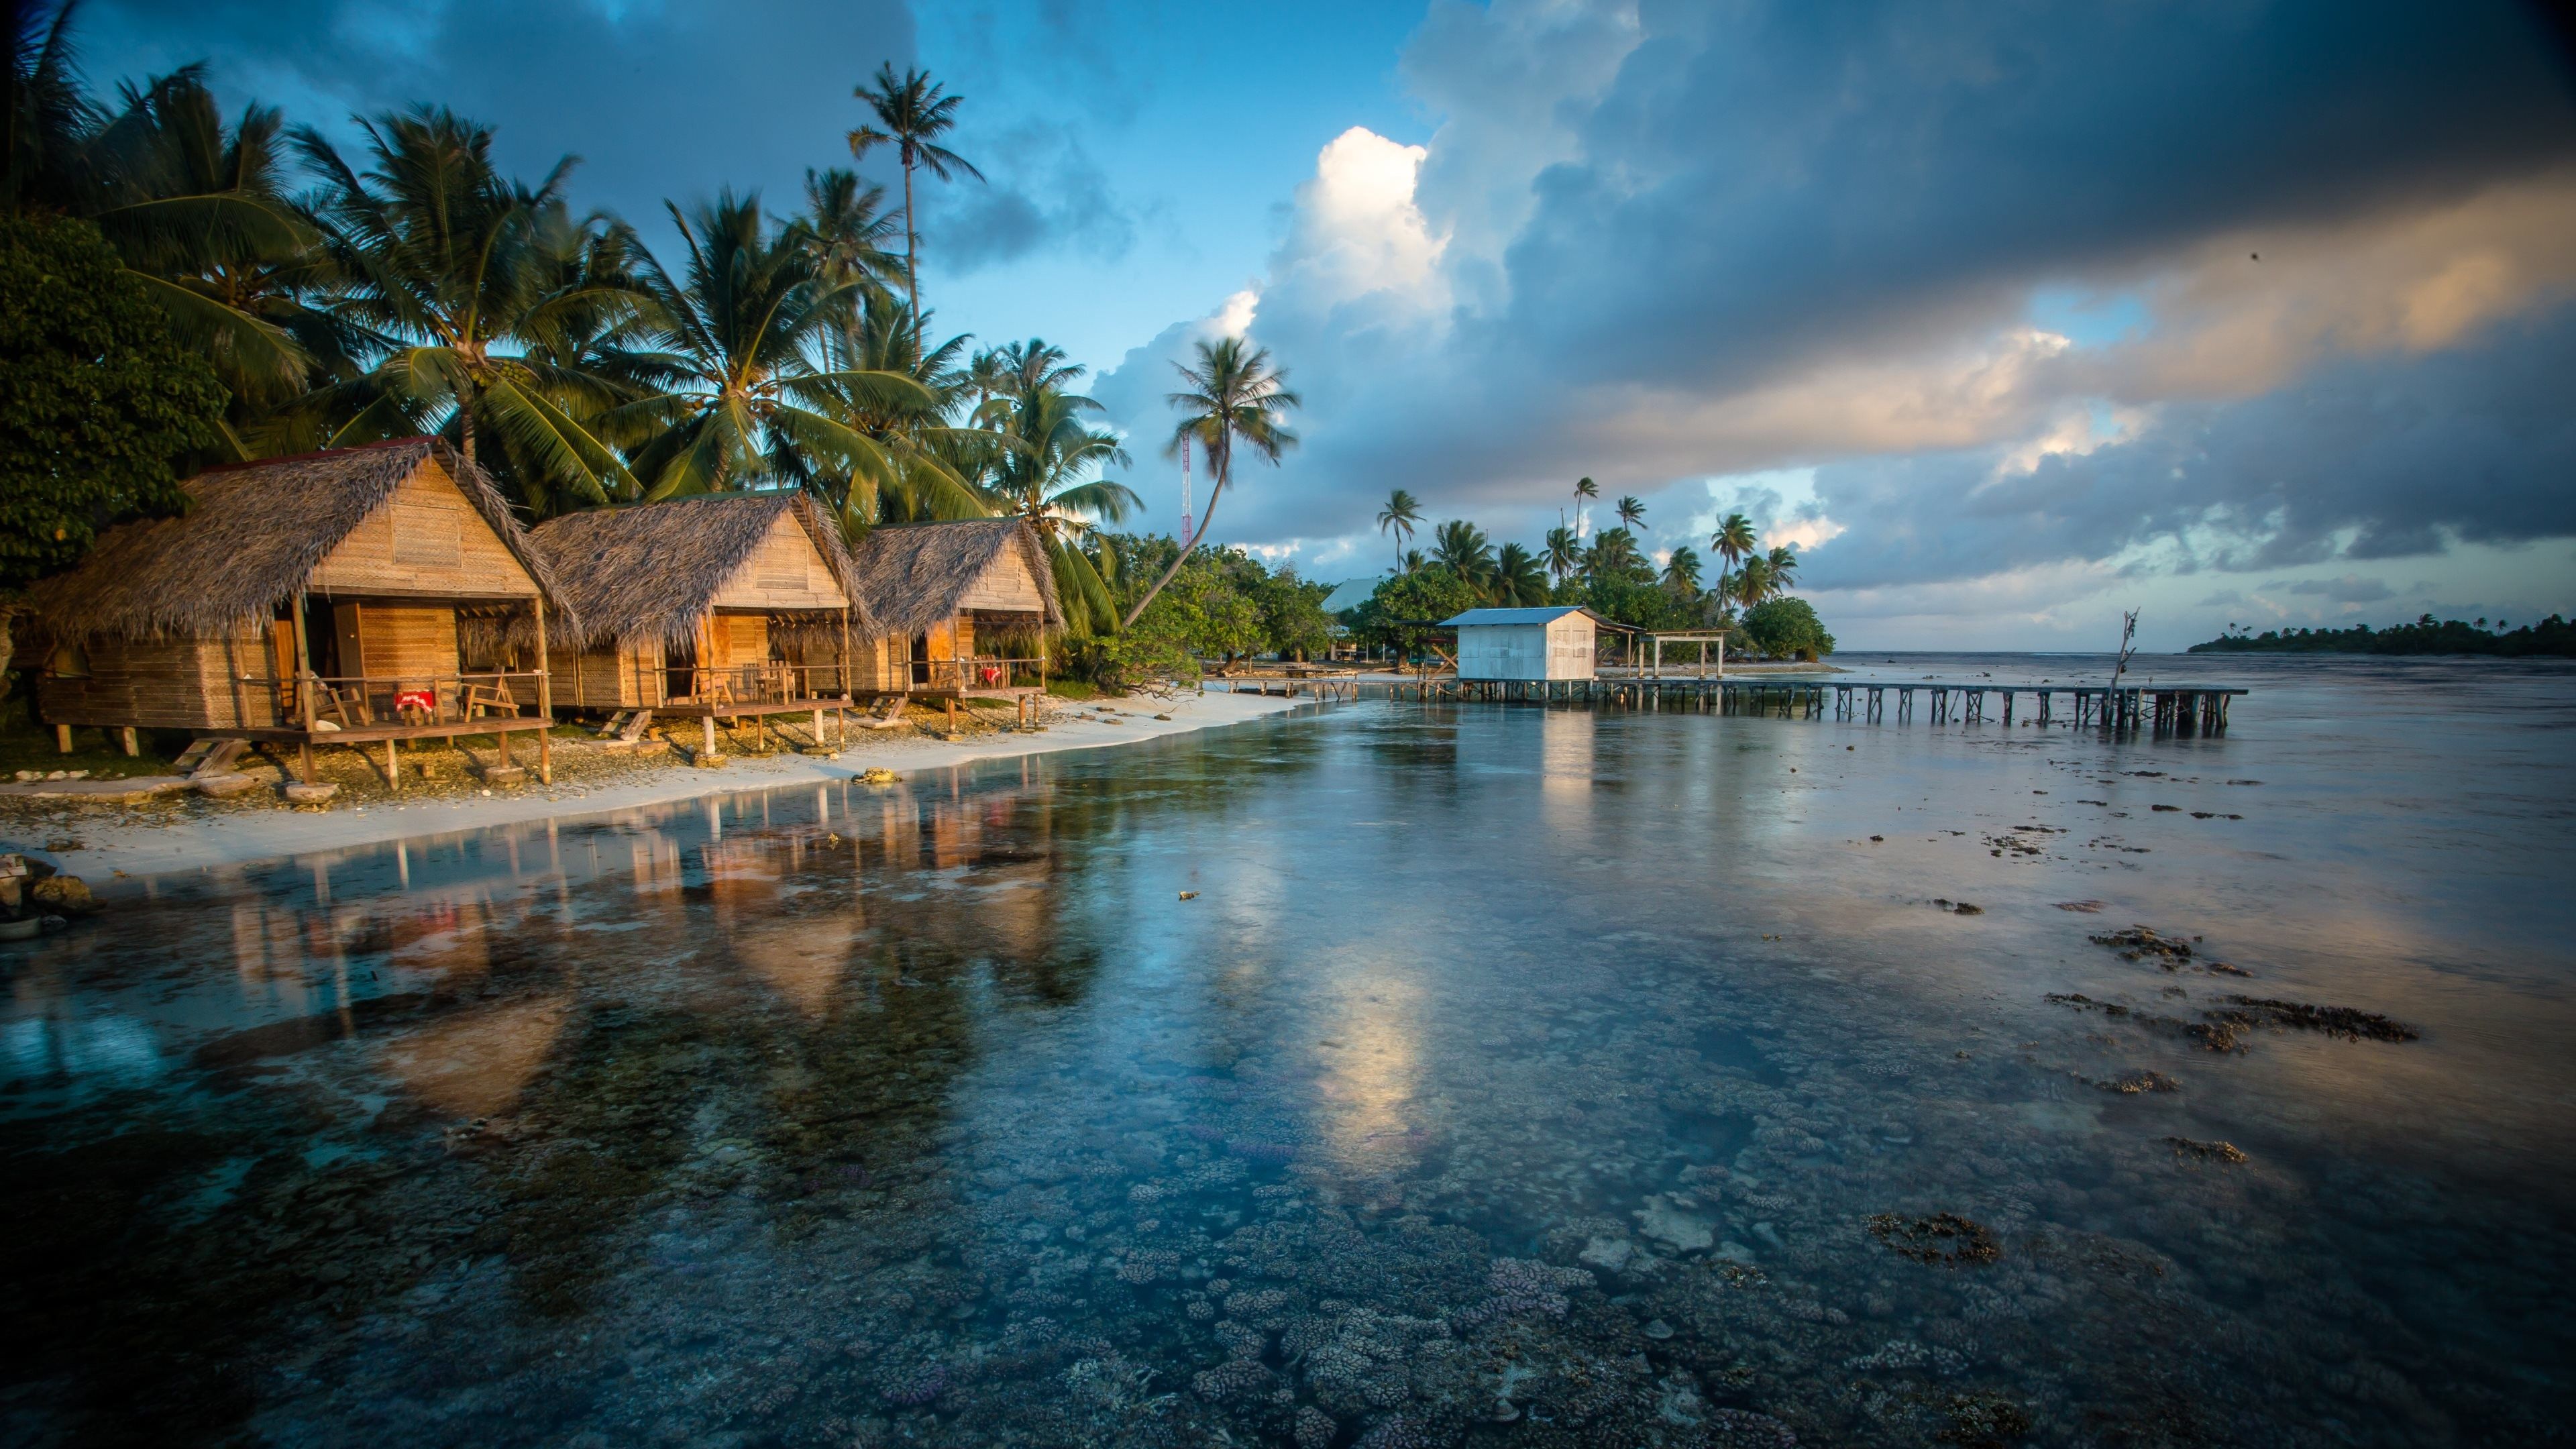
[252, 535]
[914, 575]
[648, 572]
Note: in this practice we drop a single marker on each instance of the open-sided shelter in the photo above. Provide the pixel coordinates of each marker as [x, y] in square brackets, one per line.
[962, 608]
[716, 607]
[355, 596]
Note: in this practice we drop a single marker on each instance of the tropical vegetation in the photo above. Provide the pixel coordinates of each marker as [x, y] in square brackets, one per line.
[1614, 573]
[2553, 636]
[186, 286]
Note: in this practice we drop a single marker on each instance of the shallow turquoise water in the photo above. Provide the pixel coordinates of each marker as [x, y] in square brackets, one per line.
[1515, 1076]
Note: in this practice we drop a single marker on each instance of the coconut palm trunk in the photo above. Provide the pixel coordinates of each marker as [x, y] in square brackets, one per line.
[1234, 394]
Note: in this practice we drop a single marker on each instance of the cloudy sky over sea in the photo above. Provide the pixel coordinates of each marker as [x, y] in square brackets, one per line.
[2010, 315]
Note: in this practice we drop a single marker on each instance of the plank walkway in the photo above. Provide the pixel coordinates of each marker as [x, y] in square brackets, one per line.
[2177, 709]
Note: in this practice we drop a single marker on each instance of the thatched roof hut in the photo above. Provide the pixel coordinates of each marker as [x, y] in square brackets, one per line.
[717, 602]
[961, 608]
[917, 576]
[652, 571]
[256, 533]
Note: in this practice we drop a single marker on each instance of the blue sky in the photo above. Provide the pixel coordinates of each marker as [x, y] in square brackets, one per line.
[2236, 312]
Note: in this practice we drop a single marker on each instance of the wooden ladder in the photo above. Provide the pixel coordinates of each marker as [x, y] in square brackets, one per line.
[207, 757]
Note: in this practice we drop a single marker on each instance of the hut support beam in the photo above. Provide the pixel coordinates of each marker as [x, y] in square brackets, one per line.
[545, 702]
[393, 766]
[62, 739]
[126, 738]
[707, 736]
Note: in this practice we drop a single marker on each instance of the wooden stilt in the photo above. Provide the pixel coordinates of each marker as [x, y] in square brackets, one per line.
[393, 767]
[707, 736]
[545, 702]
[62, 739]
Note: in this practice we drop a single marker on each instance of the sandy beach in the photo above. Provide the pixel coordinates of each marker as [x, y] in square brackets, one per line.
[135, 843]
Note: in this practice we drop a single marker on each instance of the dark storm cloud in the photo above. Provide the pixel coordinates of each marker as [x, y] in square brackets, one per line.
[661, 100]
[2367, 460]
[1763, 178]
[1043, 191]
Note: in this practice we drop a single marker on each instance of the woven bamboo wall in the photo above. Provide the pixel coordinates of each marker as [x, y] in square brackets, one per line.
[163, 684]
[425, 541]
[1005, 586]
[786, 573]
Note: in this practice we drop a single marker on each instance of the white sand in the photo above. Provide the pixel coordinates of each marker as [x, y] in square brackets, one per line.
[233, 837]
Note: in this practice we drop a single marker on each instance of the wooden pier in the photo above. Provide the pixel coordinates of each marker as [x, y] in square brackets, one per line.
[2166, 709]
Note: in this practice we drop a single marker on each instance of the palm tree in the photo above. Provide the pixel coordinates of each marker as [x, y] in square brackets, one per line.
[1753, 581]
[1631, 512]
[1034, 366]
[846, 225]
[1563, 551]
[743, 326]
[1047, 477]
[1462, 548]
[448, 269]
[1613, 552]
[1583, 488]
[1519, 579]
[1783, 568]
[1681, 572]
[1401, 513]
[1732, 541]
[913, 114]
[1234, 396]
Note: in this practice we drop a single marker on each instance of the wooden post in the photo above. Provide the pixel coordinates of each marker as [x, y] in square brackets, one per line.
[393, 764]
[303, 688]
[545, 702]
[707, 723]
[952, 714]
[62, 739]
[818, 726]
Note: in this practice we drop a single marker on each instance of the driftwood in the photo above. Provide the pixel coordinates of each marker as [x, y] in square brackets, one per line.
[889, 720]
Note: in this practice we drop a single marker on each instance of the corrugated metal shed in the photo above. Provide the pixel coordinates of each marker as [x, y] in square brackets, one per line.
[1527, 644]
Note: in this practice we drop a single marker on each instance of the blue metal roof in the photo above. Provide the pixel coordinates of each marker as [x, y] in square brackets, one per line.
[1521, 616]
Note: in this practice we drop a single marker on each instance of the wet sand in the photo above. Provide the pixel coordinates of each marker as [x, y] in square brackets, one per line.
[144, 845]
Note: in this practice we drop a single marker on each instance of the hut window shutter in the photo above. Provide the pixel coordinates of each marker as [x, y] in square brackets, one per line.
[427, 537]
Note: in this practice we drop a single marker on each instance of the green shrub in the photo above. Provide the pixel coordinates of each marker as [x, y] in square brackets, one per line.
[1787, 629]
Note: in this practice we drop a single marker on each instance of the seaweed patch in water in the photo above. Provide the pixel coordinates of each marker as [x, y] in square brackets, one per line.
[1943, 1238]
[2342, 1021]
[2131, 1083]
[1982, 1420]
[2226, 1152]
[2139, 942]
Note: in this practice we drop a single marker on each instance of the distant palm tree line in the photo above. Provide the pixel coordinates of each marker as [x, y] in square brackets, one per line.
[413, 287]
[1512, 575]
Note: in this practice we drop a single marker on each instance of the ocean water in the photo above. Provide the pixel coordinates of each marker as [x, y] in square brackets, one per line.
[1384, 1074]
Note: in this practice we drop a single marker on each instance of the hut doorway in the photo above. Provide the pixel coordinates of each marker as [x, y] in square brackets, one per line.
[680, 669]
[921, 661]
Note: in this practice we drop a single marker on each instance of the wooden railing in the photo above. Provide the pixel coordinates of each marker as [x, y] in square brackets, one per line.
[355, 701]
[767, 683]
[968, 675]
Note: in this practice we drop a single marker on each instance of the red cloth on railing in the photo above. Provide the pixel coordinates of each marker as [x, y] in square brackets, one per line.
[424, 700]
[990, 674]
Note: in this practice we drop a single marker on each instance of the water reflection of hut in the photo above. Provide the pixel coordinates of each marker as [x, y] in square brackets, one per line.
[962, 608]
[714, 608]
[357, 596]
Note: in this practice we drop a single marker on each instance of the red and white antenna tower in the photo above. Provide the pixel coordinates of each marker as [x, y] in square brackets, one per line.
[1186, 531]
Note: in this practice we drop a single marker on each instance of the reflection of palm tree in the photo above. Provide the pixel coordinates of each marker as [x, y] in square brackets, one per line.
[1583, 488]
[1564, 552]
[1631, 512]
[1518, 578]
[1401, 513]
[1234, 396]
